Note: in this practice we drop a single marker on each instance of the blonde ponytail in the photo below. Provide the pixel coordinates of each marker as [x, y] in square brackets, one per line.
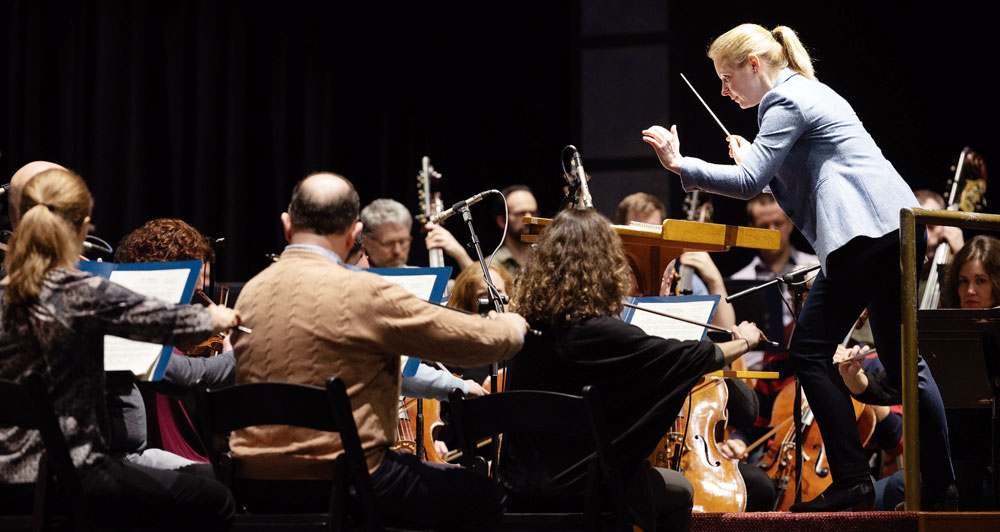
[780, 48]
[54, 205]
[796, 56]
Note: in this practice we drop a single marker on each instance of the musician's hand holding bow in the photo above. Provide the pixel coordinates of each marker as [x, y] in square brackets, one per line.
[746, 336]
[749, 333]
[734, 449]
[667, 145]
[512, 318]
[854, 377]
[223, 318]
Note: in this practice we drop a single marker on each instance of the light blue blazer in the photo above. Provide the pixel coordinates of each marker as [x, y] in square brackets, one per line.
[823, 168]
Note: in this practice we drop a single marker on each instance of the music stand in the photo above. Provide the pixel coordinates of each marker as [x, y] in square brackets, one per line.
[962, 349]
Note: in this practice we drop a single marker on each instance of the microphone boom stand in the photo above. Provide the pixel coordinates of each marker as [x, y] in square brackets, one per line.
[797, 285]
[497, 303]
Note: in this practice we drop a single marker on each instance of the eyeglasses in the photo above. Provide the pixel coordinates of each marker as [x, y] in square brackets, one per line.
[403, 242]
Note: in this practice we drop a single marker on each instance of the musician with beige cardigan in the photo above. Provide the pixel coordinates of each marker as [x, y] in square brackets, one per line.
[314, 318]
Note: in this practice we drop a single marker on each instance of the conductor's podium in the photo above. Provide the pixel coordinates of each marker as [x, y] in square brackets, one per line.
[650, 248]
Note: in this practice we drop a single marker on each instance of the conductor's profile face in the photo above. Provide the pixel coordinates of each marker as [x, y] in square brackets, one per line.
[738, 83]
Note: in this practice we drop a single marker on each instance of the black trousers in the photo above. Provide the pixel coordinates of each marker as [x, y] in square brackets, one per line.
[864, 273]
[408, 493]
[121, 492]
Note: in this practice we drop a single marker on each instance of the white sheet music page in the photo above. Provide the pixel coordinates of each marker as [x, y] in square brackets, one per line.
[140, 357]
[419, 285]
[670, 328]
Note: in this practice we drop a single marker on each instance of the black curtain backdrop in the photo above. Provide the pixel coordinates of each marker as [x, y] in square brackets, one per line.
[210, 111]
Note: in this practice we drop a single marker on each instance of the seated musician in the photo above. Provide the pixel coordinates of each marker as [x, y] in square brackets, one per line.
[314, 318]
[54, 322]
[572, 289]
[468, 290]
[646, 208]
[972, 282]
[163, 240]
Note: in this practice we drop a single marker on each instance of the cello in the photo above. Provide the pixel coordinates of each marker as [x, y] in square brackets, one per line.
[779, 460]
[692, 447]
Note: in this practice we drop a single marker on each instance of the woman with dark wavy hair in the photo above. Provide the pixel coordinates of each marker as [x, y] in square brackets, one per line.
[572, 289]
[974, 275]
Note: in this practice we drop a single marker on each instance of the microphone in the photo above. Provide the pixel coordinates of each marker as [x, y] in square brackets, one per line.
[453, 210]
[581, 177]
[798, 275]
[4, 188]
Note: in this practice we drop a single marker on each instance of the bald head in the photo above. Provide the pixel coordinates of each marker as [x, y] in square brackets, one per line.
[324, 204]
[17, 182]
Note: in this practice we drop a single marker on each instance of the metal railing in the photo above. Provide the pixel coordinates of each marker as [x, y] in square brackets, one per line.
[908, 220]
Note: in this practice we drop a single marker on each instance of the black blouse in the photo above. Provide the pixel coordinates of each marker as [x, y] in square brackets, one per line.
[61, 335]
[642, 381]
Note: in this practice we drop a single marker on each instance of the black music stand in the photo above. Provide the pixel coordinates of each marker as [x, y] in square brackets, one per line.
[962, 349]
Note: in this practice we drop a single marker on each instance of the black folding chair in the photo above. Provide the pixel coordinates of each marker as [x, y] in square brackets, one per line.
[270, 403]
[28, 406]
[551, 413]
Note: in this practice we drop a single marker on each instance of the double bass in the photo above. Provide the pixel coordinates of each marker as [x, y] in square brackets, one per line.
[419, 417]
[970, 174]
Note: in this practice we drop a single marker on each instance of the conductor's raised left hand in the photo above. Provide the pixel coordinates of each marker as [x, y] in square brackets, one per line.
[667, 145]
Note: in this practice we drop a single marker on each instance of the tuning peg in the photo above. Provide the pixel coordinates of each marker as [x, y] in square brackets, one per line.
[952, 168]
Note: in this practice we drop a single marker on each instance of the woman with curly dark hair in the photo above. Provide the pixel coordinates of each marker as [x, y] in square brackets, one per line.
[174, 445]
[165, 240]
[572, 290]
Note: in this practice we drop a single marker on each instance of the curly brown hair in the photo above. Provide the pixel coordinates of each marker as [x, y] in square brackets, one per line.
[164, 239]
[578, 270]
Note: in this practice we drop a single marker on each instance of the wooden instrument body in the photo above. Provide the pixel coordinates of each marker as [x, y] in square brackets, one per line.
[692, 447]
[779, 460]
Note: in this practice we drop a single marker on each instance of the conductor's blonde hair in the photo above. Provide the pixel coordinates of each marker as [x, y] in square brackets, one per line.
[779, 48]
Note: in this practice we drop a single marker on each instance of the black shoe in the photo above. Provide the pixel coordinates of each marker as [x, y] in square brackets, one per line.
[936, 500]
[858, 495]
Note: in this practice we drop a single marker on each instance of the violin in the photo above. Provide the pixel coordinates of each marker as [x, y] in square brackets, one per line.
[692, 447]
[214, 344]
[779, 461]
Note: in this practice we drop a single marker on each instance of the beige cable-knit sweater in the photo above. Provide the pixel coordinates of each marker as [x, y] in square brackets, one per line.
[313, 319]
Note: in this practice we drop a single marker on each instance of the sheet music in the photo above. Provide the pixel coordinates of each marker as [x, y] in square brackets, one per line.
[138, 357]
[141, 357]
[165, 285]
[668, 328]
[419, 285]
